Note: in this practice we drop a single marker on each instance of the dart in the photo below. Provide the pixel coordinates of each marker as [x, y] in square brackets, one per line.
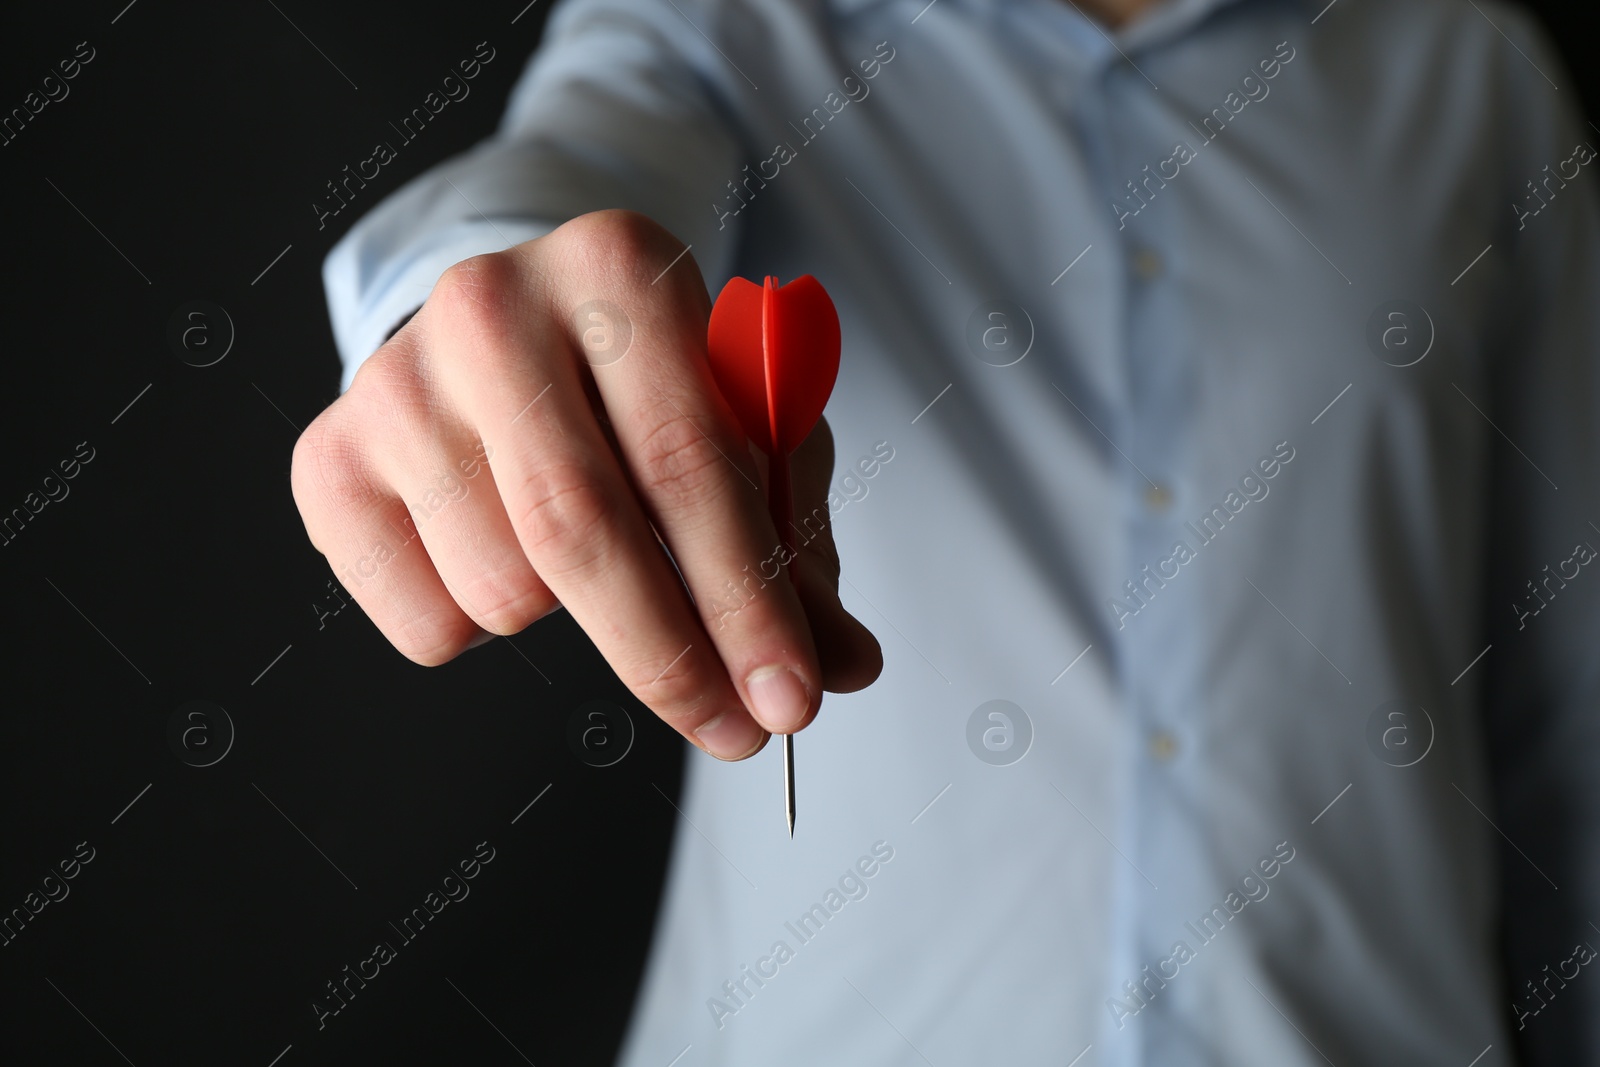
[774, 353]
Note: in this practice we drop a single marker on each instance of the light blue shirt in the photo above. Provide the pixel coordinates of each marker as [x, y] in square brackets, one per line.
[1237, 374]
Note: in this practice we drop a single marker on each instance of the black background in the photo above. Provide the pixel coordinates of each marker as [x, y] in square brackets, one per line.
[177, 569]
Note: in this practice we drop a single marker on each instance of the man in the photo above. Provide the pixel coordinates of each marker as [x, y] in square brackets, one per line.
[1213, 450]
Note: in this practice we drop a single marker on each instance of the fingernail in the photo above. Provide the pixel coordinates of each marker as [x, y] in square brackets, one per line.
[482, 639]
[780, 698]
[731, 736]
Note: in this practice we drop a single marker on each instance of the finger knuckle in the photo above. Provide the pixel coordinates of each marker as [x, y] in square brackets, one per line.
[508, 603]
[677, 462]
[618, 242]
[328, 467]
[399, 404]
[478, 299]
[565, 521]
[679, 695]
[429, 638]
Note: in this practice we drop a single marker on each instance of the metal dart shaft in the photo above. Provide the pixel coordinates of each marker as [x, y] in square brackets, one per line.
[789, 781]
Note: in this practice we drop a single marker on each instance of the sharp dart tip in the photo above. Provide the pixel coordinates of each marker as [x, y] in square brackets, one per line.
[788, 781]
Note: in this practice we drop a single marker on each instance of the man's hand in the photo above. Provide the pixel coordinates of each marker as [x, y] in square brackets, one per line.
[486, 468]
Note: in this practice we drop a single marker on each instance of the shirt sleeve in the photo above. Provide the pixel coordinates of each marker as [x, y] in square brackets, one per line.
[612, 111]
[1543, 685]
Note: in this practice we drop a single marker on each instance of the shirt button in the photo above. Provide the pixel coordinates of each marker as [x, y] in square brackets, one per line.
[1147, 264]
[1157, 497]
[1163, 746]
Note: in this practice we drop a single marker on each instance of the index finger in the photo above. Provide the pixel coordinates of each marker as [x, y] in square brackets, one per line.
[699, 484]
